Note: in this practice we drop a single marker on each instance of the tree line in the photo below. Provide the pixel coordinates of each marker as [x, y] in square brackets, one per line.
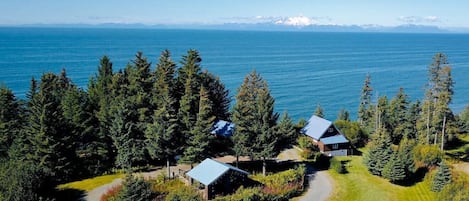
[128, 118]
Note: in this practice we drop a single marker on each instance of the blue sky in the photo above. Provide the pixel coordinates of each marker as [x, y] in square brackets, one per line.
[448, 13]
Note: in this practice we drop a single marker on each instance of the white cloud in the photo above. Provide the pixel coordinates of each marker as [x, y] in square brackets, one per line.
[418, 19]
[297, 21]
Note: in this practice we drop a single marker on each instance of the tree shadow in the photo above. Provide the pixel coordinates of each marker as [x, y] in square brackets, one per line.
[69, 195]
[417, 177]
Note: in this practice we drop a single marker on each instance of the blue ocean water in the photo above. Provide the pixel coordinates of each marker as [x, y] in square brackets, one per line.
[302, 68]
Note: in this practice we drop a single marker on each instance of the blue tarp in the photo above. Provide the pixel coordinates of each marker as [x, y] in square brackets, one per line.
[223, 128]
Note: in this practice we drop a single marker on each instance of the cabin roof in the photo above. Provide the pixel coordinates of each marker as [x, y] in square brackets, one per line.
[334, 139]
[210, 170]
[316, 127]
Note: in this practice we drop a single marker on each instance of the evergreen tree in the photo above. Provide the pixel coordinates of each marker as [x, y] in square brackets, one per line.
[438, 96]
[121, 131]
[397, 116]
[165, 80]
[135, 189]
[10, 119]
[365, 107]
[200, 138]
[412, 116]
[343, 115]
[464, 120]
[161, 136]
[379, 152]
[265, 140]
[405, 155]
[381, 115]
[394, 170]
[285, 132]
[51, 144]
[319, 111]
[255, 119]
[218, 94]
[441, 178]
[353, 132]
[100, 92]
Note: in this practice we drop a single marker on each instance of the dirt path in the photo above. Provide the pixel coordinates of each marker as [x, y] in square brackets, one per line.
[319, 182]
[319, 187]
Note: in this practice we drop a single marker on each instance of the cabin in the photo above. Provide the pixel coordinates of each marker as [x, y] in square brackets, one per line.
[218, 178]
[327, 137]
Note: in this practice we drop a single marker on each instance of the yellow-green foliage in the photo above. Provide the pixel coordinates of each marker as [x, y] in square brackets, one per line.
[244, 194]
[427, 155]
[92, 183]
[184, 193]
[284, 184]
[457, 190]
[160, 185]
[359, 184]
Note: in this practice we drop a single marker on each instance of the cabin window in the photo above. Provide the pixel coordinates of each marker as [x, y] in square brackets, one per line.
[335, 146]
[330, 130]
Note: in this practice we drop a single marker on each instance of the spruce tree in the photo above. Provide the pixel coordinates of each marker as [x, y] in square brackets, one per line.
[218, 94]
[394, 170]
[441, 178]
[365, 107]
[200, 137]
[161, 136]
[379, 152]
[405, 155]
[265, 140]
[397, 115]
[319, 111]
[285, 132]
[10, 119]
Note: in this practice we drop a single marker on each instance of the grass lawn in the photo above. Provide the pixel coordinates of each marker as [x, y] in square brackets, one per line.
[359, 184]
[92, 183]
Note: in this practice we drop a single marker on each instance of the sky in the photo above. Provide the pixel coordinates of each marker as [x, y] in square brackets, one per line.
[448, 13]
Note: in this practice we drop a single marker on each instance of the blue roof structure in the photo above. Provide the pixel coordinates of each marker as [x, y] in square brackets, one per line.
[210, 170]
[316, 127]
[223, 128]
[334, 139]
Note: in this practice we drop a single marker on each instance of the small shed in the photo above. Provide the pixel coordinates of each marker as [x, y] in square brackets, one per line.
[327, 137]
[218, 177]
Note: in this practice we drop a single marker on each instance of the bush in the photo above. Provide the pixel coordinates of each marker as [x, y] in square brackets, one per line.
[427, 155]
[284, 184]
[305, 142]
[353, 132]
[183, 194]
[111, 194]
[338, 166]
[135, 189]
[244, 194]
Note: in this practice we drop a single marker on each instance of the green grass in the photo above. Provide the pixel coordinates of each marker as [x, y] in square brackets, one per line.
[92, 183]
[359, 184]
[459, 152]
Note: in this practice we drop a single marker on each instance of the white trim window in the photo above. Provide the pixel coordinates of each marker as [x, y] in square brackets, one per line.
[335, 146]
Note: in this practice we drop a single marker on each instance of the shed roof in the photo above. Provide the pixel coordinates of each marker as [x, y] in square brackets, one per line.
[223, 128]
[316, 127]
[334, 139]
[210, 170]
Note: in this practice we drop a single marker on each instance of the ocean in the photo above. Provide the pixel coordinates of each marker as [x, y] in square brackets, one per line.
[303, 69]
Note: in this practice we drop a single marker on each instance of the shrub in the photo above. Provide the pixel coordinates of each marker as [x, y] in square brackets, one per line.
[284, 184]
[305, 142]
[183, 194]
[111, 194]
[427, 155]
[244, 194]
[135, 189]
[338, 166]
